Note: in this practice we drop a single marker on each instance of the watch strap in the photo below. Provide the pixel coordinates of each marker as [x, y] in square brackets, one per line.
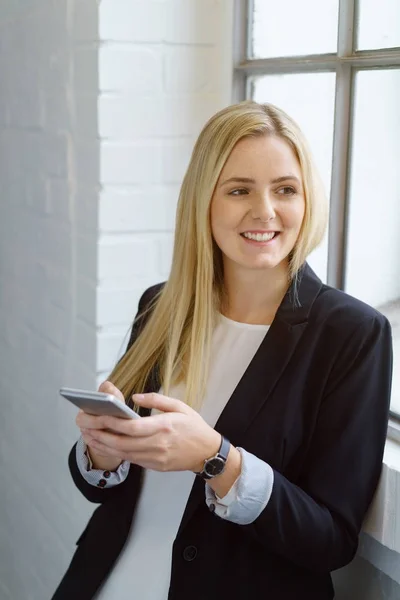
[222, 454]
[224, 448]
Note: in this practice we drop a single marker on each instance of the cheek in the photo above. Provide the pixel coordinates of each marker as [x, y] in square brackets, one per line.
[225, 217]
[293, 216]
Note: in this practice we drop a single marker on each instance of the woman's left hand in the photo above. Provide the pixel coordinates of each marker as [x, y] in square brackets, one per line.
[178, 439]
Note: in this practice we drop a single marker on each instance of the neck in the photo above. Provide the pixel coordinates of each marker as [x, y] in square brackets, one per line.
[254, 296]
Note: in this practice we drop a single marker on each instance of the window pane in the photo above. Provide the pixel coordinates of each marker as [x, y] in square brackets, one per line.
[378, 24]
[373, 245]
[312, 106]
[291, 27]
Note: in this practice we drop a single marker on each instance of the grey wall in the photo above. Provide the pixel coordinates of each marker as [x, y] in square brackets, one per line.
[49, 177]
[373, 575]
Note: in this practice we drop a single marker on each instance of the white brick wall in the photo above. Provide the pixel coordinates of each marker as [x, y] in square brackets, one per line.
[99, 108]
[45, 340]
[164, 70]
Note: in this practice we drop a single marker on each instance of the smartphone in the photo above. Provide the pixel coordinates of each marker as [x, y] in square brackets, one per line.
[98, 403]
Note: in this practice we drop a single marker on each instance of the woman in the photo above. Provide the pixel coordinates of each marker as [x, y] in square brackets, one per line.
[268, 394]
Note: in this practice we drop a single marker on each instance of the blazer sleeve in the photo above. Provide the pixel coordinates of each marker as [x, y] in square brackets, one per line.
[316, 521]
[91, 492]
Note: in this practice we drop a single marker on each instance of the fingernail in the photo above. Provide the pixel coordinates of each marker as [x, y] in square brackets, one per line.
[138, 396]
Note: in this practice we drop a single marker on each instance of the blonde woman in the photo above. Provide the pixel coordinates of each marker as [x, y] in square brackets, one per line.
[264, 395]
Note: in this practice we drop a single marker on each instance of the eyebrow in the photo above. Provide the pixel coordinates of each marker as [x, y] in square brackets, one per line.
[249, 180]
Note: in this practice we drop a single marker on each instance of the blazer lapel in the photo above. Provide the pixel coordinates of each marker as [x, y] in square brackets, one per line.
[265, 369]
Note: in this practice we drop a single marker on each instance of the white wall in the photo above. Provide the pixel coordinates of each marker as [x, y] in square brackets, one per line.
[94, 141]
[165, 68]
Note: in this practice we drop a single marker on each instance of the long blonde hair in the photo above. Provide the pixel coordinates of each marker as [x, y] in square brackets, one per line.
[177, 335]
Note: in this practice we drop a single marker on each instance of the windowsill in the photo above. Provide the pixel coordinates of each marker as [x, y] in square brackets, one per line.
[391, 310]
[383, 520]
[380, 541]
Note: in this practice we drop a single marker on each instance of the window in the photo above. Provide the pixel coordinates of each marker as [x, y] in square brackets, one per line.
[335, 67]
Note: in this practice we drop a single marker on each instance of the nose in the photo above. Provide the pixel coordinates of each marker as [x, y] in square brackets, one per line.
[263, 208]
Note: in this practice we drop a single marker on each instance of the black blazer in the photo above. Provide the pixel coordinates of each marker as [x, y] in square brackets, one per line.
[314, 404]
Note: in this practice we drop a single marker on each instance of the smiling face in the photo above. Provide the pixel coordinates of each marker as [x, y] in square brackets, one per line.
[258, 204]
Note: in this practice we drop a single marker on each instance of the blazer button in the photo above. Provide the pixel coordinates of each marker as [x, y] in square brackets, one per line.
[190, 553]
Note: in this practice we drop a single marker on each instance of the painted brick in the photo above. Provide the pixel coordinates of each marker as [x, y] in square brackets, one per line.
[57, 282]
[26, 114]
[126, 164]
[86, 68]
[51, 322]
[155, 116]
[86, 161]
[4, 108]
[116, 306]
[176, 157]
[127, 257]
[59, 200]
[36, 197]
[86, 208]
[55, 154]
[127, 67]
[150, 208]
[86, 342]
[139, 21]
[110, 347]
[193, 22]
[190, 70]
[86, 301]
[57, 113]
[86, 255]
[99, 108]
[85, 114]
[86, 20]
[119, 305]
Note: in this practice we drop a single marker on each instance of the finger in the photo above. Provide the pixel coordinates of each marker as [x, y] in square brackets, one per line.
[124, 444]
[86, 421]
[88, 440]
[125, 426]
[160, 402]
[103, 450]
[78, 417]
[133, 428]
[116, 445]
[119, 425]
[109, 388]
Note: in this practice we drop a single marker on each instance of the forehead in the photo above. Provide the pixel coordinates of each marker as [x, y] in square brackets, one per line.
[254, 157]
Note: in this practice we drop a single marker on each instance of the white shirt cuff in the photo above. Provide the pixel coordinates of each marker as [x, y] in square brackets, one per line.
[98, 477]
[248, 496]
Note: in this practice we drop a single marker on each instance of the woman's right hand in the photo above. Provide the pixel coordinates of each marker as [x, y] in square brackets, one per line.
[99, 461]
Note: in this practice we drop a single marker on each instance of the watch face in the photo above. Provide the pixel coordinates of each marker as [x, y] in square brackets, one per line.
[214, 466]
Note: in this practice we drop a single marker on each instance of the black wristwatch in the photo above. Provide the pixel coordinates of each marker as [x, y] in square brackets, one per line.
[216, 464]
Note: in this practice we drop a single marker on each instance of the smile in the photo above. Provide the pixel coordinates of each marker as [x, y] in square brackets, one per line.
[260, 237]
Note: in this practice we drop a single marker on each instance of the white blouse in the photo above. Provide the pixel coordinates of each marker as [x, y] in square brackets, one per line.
[144, 565]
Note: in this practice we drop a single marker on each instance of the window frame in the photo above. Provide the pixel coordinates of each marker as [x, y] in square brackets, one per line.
[346, 63]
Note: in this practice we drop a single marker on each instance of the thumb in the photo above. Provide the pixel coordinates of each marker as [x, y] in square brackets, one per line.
[109, 388]
[160, 402]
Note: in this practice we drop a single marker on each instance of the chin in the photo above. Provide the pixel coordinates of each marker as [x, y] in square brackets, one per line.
[261, 264]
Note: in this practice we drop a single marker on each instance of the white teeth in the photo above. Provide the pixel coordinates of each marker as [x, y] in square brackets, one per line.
[259, 237]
